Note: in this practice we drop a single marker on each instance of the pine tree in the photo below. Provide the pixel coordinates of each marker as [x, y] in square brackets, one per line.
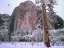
[44, 4]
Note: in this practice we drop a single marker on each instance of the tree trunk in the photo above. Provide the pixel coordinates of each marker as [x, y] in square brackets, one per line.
[45, 24]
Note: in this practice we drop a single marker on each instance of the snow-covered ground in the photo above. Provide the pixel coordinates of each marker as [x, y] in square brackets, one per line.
[25, 45]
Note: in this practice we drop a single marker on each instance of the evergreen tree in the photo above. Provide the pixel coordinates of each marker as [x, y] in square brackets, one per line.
[11, 26]
[1, 21]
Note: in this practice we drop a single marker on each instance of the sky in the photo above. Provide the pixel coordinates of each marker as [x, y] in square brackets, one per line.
[4, 8]
[60, 8]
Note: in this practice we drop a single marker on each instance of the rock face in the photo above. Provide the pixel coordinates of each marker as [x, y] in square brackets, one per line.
[25, 16]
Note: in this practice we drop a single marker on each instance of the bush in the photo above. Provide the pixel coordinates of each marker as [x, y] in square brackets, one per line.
[3, 36]
[57, 38]
[22, 40]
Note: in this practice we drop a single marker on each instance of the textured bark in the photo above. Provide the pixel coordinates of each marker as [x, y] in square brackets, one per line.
[45, 22]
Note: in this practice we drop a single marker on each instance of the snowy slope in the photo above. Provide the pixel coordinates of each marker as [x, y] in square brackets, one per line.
[26, 45]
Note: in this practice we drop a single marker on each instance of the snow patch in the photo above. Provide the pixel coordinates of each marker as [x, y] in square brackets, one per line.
[26, 45]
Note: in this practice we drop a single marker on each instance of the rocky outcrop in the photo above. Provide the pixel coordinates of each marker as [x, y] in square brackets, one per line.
[24, 18]
[25, 15]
